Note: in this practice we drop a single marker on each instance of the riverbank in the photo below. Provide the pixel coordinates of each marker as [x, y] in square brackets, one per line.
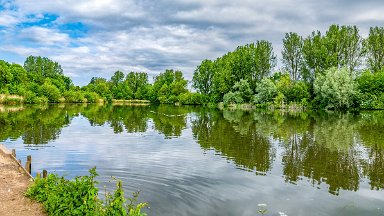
[13, 184]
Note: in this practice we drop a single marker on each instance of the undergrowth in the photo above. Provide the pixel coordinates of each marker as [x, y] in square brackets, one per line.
[80, 197]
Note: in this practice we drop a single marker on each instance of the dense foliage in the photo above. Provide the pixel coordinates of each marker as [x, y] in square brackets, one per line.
[41, 80]
[320, 70]
[245, 75]
[80, 197]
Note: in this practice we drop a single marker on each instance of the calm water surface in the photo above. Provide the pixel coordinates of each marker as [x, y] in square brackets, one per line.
[200, 161]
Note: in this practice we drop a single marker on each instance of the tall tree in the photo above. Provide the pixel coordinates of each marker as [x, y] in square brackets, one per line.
[168, 86]
[374, 48]
[118, 77]
[315, 56]
[264, 60]
[293, 54]
[138, 83]
[344, 47]
[351, 51]
[42, 66]
[202, 77]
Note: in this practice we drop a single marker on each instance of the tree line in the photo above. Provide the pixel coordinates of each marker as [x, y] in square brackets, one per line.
[338, 69]
[41, 80]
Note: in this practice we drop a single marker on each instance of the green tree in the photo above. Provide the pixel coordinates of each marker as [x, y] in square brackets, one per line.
[117, 78]
[374, 48]
[138, 83]
[6, 76]
[42, 67]
[202, 77]
[344, 47]
[293, 54]
[315, 55]
[168, 86]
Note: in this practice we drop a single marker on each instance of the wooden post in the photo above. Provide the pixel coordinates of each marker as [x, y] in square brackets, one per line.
[45, 173]
[28, 164]
[38, 175]
[14, 153]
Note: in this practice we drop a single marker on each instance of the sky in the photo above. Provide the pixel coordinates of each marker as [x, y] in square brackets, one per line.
[97, 37]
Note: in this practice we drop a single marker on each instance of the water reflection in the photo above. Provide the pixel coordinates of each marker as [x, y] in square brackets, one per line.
[332, 148]
[338, 151]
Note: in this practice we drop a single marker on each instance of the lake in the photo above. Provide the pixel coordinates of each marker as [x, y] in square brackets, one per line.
[200, 161]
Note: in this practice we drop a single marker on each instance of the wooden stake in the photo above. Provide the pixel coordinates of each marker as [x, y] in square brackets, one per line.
[28, 166]
[45, 173]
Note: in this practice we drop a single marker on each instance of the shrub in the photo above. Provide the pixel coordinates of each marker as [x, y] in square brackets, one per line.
[193, 98]
[266, 91]
[244, 89]
[74, 97]
[371, 88]
[80, 197]
[233, 98]
[92, 97]
[51, 92]
[279, 100]
[299, 92]
[40, 100]
[335, 89]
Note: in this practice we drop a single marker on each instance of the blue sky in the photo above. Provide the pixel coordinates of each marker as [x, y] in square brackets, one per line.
[95, 38]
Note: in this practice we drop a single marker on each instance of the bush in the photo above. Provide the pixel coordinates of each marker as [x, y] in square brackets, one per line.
[279, 100]
[371, 83]
[51, 92]
[371, 88]
[92, 97]
[40, 100]
[299, 92]
[193, 98]
[266, 91]
[335, 89]
[74, 97]
[244, 89]
[80, 197]
[232, 98]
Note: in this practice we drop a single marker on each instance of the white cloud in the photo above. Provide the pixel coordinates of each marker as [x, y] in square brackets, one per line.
[6, 19]
[45, 36]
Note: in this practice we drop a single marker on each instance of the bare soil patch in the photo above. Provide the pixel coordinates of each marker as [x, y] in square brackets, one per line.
[13, 184]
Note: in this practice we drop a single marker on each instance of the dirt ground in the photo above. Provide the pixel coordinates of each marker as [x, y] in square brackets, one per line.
[13, 184]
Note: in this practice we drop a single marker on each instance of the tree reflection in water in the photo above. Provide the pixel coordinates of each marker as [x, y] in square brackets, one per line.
[340, 150]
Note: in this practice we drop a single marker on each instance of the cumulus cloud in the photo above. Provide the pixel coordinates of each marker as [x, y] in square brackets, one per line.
[96, 37]
[44, 36]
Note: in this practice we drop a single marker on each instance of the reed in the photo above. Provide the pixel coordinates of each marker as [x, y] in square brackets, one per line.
[11, 99]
